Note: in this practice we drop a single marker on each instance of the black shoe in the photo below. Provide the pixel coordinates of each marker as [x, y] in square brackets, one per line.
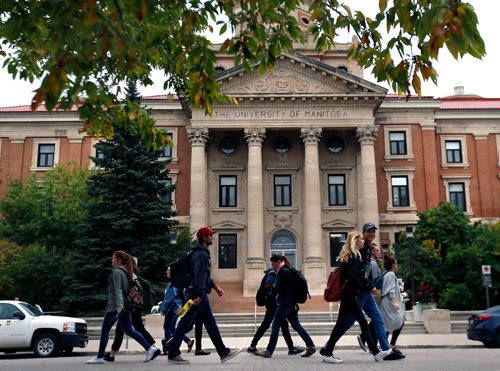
[323, 352]
[251, 350]
[396, 350]
[201, 352]
[309, 352]
[263, 353]
[109, 358]
[394, 357]
[190, 345]
[164, 346]
[295, 350]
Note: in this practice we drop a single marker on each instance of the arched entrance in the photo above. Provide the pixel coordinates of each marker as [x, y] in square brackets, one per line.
[283, 242]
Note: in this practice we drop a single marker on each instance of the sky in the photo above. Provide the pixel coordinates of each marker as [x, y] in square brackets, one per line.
[476, 76]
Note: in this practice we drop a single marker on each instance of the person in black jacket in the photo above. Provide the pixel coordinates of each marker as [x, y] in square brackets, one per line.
[200, 286]
[350, 271]
[268, 282]
[287, 310]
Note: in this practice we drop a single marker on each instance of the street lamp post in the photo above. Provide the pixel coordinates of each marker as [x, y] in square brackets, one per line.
[409, 235]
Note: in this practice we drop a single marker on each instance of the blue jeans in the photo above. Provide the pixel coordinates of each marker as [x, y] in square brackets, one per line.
[369, 305]
[202, 311]
[282, 314]
[169, 326]
[126, 322]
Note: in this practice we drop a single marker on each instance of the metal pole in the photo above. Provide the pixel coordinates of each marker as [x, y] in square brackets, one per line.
[409, 234]
[487, 297]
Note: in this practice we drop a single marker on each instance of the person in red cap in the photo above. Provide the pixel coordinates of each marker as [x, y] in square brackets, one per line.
[199, 287]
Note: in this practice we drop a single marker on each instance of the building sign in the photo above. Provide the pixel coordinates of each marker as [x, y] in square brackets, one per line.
[277, 114]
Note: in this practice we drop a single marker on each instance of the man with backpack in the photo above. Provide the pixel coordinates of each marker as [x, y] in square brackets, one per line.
[287, 308]
[200, 285]
[266, 296]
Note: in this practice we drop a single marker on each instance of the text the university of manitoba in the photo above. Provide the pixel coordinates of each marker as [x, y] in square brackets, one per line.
[279, 114]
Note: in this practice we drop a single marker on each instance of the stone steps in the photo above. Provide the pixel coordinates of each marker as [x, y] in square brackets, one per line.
[245, 324]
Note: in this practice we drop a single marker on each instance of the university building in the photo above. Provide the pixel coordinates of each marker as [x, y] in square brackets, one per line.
[310, 152]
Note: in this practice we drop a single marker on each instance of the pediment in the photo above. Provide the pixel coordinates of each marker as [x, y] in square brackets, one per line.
[295, 74]
[338, 223]
[227, 224]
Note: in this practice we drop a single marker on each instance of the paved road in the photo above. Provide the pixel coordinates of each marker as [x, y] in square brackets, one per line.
[445, 359]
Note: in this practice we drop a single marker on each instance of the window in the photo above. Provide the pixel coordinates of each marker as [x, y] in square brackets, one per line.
[400, 191]
[397, 143]
[46, 154]
[457, 195]
[282, 144]
[228, 145]
[335, 144]
[336, 190]
[282, 190]
[167, 183]
[453, 151]
[227, 191]
[457, 190]
[166, 151]
[227, 251]
[336, 242]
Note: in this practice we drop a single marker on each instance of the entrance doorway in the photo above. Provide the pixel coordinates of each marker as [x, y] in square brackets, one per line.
[283, 242]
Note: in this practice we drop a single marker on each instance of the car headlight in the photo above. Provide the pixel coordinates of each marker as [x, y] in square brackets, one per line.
[69, 327]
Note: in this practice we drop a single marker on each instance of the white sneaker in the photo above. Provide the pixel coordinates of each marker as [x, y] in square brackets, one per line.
[382, 354]
[152, 353]
[96, 360]
[332, 359]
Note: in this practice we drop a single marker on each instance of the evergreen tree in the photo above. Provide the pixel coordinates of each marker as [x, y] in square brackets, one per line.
[131, 210]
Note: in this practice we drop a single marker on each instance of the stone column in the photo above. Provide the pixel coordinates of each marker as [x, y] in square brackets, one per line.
[368, 199]
[313, 265]
[198, 210]
[255, 263]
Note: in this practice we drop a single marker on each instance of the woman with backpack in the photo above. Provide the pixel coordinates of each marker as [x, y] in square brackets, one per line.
[355, 281]
[267, 297]
[119, 282]
[391, 303]
[286, 310]
[136, 313]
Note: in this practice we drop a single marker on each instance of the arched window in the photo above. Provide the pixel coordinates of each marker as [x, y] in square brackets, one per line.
[283, 242]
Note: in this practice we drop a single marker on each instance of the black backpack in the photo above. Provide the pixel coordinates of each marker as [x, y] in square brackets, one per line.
[180, 271]
[134, 299]
[299, 286]
[262, 297]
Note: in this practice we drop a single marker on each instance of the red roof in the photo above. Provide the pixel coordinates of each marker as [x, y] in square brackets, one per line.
[452, 103]
[470, 104]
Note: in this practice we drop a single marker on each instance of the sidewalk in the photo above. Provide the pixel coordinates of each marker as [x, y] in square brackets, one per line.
[346, 342]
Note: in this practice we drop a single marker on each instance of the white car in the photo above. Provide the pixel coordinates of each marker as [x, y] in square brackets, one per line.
[25, 327]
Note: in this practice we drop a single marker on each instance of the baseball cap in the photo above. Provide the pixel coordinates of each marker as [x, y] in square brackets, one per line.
[204, 231]
[368, 225]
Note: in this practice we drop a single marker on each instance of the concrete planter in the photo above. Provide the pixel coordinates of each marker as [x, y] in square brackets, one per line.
[437, 321]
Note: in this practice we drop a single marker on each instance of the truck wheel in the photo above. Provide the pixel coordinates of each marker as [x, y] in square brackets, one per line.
[46, 345]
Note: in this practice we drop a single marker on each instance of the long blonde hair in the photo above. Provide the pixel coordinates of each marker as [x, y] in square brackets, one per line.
[350, 247]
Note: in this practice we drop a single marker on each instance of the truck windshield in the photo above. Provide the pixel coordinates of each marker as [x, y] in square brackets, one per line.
[34, 311]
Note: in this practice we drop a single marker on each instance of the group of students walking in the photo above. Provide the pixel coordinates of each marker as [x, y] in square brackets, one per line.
[358, 272]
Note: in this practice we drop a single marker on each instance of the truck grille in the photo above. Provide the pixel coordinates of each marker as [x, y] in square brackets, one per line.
[81, 328]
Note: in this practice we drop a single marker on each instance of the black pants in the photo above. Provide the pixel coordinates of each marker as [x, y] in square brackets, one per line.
[138, 326]
[349, 305]
[198, 330]
[266, 323]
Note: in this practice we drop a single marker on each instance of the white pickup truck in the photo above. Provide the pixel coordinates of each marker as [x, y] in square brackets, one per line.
[24, 327]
